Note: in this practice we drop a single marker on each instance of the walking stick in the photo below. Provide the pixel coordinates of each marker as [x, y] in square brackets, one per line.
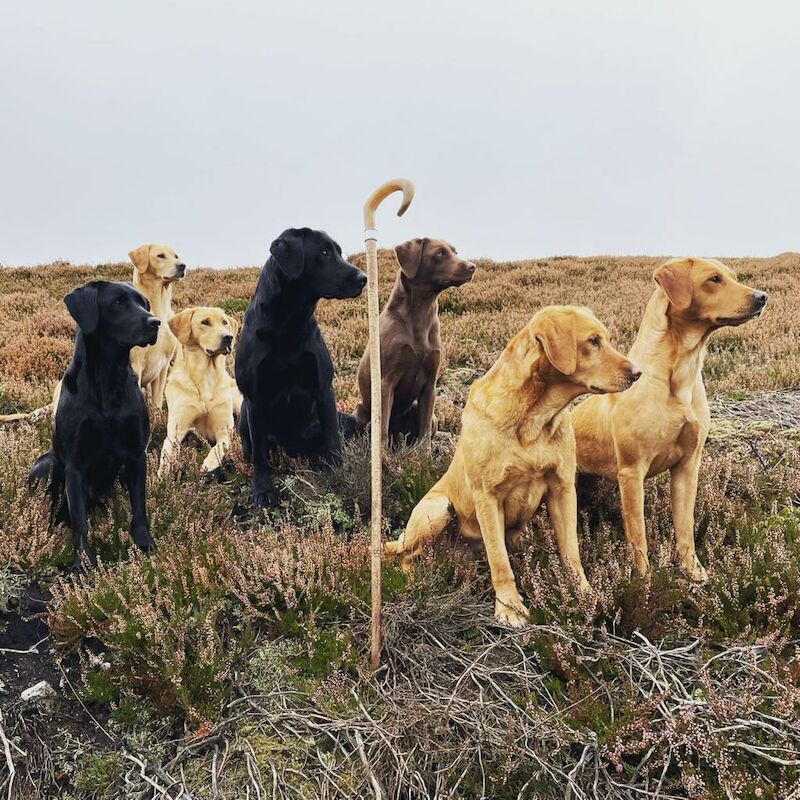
[376, 523]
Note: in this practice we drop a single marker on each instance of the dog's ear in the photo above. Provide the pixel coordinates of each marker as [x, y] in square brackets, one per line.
[82, 306]
[556, 334]
[234, 325]
[181, 325]
[675, 278]
[409, 256]
[140, 257]
[288, 251]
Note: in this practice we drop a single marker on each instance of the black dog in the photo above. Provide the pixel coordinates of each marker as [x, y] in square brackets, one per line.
[283, 368]
[101, 423]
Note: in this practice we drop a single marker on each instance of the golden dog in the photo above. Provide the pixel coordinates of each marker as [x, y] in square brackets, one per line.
[201, 395]
[662, 423]
[156, 268]
[517, 446]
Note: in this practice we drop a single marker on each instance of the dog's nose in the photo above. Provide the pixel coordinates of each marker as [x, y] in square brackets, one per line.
[635, 373]
[153, 322]
[227, 338]
[760, 299]
[181, 268]
[469, 266]
[361, 280]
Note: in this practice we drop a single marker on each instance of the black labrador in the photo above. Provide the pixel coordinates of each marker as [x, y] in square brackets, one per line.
[101, 423]
[283, 368]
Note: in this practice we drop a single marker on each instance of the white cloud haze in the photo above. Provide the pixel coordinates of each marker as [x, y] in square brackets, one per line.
[528, 128]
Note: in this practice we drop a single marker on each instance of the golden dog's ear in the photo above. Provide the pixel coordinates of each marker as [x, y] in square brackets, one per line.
[181, 325]
[675, 279]
[409, 256]
[234, 325]
[140, 257]
[556, 334]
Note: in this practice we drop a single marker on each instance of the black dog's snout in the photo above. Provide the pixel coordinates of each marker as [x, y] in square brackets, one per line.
[153, 322]
[759, 299]
[361, 280]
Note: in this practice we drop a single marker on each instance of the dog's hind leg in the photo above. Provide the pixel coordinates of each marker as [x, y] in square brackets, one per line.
[427, 522]
[41, 469]
[244, 433]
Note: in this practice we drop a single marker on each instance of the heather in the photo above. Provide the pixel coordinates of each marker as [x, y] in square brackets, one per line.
[232, 662]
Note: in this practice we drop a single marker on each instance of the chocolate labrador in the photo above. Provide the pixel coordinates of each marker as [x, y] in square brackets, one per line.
[411, 347]
[101, 419]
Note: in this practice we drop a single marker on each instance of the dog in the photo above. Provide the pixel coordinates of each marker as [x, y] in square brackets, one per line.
[201, 395]
[517, 447]
[411, 346]
[156, 268]
[283, 368]
[102, 424]
[663, 422]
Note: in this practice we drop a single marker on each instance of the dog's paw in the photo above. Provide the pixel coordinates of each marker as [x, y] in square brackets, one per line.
[392, 548]
[142, 538]
[82, 561]
[266, 498]
[513, 613]
[694, 570]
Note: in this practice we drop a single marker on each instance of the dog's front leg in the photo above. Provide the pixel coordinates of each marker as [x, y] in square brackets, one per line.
[262, 489]
[631, 490]
[136, 481]
[508, 608]
[76, 503]
[683, 495]
[157, 388]
[329, 420]
[425, 410]
[387, 401]
[562, 506]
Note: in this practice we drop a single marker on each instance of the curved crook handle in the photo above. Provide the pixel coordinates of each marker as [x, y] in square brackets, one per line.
[379, 195]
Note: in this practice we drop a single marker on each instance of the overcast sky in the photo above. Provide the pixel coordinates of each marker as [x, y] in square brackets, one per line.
[529, 128]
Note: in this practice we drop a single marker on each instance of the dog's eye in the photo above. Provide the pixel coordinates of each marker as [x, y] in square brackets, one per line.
[715, 279]
[440, 253]
[595, 341]
[205, 322]
[226, 322]
[161, 255]
[324, 252]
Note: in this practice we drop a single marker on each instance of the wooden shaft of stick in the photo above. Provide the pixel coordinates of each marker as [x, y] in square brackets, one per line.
[376, 518]
[376, 427]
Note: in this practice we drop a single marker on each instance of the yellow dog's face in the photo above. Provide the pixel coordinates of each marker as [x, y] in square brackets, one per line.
[577, 345]
[159, 261]
[206, 328]
[705, 290]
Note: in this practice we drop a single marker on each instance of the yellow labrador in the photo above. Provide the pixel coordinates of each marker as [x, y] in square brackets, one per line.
[201, 395]
[517, 447]
[155, 268]
[662, 423]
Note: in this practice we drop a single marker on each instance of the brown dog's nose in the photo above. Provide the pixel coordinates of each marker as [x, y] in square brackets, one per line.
[759, 299]
[635, 373]
[469, 266]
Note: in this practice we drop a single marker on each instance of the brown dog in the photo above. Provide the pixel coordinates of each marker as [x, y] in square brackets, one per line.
[517, 446]
[201, 395]
[156, 268]
[411, 347]
[663, 422]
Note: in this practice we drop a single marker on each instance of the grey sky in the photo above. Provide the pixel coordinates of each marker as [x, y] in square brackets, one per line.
[528, 128]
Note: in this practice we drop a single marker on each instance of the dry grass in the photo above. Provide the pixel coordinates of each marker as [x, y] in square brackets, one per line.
[233, 661]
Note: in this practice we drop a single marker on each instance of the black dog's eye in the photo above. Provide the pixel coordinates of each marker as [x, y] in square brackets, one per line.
[595, 341]
[118, 301]
[715, 279]
[205, 322]
[324, 252]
